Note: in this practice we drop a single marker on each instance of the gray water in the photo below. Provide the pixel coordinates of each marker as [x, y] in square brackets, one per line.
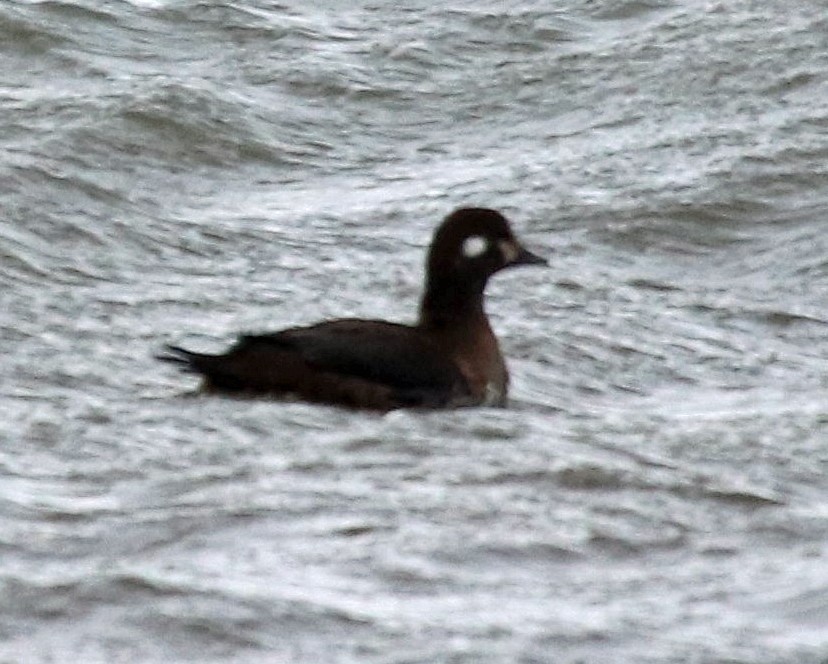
[182, 170]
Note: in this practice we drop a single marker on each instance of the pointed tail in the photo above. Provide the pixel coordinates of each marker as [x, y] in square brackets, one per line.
[185, 359]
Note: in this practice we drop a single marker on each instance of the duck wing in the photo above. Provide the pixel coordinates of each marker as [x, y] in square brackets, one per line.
[357, 363]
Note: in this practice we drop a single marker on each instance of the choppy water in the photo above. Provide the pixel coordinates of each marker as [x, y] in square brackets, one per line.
[180, 170]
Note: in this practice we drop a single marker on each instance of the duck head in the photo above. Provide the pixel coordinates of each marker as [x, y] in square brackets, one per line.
[470, 246]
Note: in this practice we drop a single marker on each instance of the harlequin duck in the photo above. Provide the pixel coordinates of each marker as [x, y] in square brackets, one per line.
[449, 358]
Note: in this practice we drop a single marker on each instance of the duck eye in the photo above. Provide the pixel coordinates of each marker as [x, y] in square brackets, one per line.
[475, 246]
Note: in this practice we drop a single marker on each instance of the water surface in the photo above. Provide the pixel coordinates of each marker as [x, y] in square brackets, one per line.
[182, 171]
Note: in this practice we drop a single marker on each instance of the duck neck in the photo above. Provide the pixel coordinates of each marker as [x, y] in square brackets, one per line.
[451, 303]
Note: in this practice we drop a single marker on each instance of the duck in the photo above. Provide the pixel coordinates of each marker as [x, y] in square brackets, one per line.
[449, 358]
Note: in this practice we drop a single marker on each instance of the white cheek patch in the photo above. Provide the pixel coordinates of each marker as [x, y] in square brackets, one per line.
[475, 246]
[509, 251]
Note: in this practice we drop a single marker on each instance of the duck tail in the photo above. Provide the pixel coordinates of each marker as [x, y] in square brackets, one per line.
[185, 359]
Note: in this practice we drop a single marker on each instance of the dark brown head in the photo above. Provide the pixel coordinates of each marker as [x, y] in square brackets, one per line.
[470, 246]
[474, 243]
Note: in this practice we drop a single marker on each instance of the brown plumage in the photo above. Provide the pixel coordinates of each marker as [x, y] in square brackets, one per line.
[449, 358]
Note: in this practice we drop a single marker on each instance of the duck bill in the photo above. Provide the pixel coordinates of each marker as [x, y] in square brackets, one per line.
[526, 257]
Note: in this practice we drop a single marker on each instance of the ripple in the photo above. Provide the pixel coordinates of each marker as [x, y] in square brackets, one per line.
[198, 168]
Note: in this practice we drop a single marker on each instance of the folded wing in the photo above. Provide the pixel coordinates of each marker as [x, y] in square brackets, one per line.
[363, 364]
